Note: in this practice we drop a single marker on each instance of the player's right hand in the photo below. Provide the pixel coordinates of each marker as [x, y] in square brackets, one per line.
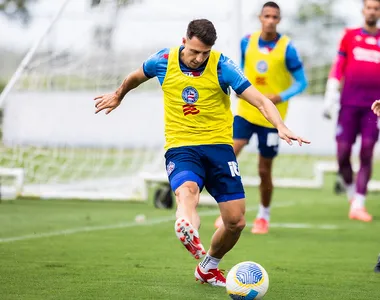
[107, 101]
[376, 107]
[288, 136]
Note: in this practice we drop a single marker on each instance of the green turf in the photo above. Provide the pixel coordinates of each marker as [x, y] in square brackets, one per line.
[147, 262]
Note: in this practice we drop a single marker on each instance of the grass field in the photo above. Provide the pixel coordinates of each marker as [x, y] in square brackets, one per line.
[96, 250]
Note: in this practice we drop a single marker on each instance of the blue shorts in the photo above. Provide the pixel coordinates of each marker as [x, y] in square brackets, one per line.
[211, 166]
[268, 140]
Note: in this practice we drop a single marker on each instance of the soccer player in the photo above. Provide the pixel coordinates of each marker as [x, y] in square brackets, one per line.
[358, 65]
[198, 129]
[270, 61]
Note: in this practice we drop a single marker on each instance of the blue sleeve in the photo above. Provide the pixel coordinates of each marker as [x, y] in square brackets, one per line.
[298, 86]
[156, 64]
[293, 61]
[243, 48]
[231, 75]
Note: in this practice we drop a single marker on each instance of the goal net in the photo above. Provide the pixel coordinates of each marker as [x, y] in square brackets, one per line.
[54, 146]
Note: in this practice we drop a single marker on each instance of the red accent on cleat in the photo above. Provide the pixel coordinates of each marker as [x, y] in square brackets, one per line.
[218, 222]
[260, 226]
[189, 237]
[359, 214]
[214, 277]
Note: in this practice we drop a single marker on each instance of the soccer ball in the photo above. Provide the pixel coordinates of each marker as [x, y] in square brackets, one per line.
[247, 281]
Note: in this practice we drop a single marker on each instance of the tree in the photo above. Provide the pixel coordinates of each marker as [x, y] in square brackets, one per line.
[103, 32]
[317, 27]
[16, 9]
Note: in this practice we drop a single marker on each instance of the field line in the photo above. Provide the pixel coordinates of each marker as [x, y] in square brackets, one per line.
[148, 222]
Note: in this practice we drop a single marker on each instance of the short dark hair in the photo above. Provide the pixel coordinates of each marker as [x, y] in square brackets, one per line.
[204, 30]
[271, 4]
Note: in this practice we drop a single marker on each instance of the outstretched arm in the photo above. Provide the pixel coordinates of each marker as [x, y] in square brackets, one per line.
[376, 107]
[270, 112]
[113, 100]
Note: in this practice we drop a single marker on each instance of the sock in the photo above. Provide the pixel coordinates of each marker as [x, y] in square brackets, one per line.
[208, 263]
[350, 191]
[264, 213]
[359, 201]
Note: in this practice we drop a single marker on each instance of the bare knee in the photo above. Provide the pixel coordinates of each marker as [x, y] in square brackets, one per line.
[187, 191]
[264, 173]
[265, 168]
[235, 223]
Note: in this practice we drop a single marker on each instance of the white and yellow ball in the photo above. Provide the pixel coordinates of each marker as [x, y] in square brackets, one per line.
[247, 281]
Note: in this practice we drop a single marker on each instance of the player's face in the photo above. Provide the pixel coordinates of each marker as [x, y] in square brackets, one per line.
[195, 52]
[269, 19]
[371, 12]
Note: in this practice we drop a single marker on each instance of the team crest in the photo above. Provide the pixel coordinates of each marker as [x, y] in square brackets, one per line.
[262, 66]
[190, 95]
[170, 167]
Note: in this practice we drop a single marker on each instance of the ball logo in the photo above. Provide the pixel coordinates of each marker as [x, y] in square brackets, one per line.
[190, 95]
[262, 66]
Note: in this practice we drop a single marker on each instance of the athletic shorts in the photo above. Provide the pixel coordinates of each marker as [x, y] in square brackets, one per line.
[268, 140]
[211, 166]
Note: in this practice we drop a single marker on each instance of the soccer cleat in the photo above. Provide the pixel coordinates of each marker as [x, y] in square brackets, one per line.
[359, 214]
[189, 237]
[260, 226]
[215, 277]
[377, 267]
[218, 222]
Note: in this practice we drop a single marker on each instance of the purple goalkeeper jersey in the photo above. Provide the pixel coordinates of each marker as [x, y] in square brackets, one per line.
[360, 67]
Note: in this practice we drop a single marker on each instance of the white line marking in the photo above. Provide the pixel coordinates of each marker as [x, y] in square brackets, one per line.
[150, 222]
[303, 226]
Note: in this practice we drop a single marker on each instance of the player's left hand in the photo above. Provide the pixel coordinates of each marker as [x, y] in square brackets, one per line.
[288, 136]
[274, 98]
[107, 101]
[376, 107]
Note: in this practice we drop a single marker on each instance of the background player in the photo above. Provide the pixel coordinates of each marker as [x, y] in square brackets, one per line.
[198, 129]
[358, 63]
[271, 63]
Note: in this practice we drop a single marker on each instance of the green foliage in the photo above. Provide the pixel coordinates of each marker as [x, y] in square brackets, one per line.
[2, 85]
[17, 9]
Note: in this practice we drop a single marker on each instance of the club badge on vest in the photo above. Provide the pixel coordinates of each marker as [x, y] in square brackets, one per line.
[190, 95]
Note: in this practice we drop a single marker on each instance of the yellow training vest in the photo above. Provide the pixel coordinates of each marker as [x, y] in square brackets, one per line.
[197, 111]
[268, 73]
